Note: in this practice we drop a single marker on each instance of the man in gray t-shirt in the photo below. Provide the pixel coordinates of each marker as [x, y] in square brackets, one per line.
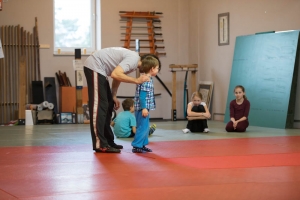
[115, 62]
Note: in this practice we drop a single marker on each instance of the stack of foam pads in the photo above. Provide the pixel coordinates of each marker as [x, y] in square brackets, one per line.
[39, 113]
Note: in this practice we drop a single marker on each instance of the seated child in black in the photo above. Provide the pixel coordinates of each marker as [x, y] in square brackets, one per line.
[198, 114]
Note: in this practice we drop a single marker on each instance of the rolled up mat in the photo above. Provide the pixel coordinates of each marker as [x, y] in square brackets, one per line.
[50, 106]
[39, 107]
[43, 105]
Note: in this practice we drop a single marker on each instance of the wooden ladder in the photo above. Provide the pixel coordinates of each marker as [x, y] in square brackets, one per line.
[149, 18]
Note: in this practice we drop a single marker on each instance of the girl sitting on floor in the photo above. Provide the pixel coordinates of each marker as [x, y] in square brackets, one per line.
[198, 114]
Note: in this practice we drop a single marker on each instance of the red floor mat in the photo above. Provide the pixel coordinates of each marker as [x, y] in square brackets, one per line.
[254, 168]
[240, 161]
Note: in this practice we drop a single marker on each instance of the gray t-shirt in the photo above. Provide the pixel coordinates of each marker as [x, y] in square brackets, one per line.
[106, 60]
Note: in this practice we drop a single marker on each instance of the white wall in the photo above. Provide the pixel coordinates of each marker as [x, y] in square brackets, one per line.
[246, 17]
[189, 29]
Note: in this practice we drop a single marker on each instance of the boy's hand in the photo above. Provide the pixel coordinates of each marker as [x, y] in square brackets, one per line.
[112, 123]
[133, 129]
[145, 112]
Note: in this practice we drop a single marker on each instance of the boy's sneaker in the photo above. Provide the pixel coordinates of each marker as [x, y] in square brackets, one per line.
[137, 150]
[206, 130]
[146, 149]
[108, 149]
[186, 130]
[152, 129]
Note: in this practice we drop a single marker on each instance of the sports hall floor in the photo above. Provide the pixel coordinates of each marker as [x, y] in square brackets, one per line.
[55, 162]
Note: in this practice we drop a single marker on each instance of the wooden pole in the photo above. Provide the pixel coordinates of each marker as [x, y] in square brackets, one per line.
[2, 85]
[140, 19]
[151, 37]
[144, 47]
[155, 53]
[24, 53]
[38, 49]
[145, 40]
[15, 72]
[152, 33]
[128, 33]
[32, 58]
[29, 91]
[22, 89]
[9, 74]
[22, 79]
[17, 65]
[6, 75]
[34, 54]
[143, 27]
[29, 68]
[12, 103]
[21, 41]
[193, 81]
[152, 13]
[174, 114]
[140, 16]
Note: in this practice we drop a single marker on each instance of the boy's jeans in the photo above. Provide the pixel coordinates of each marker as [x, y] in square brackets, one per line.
[142, 131]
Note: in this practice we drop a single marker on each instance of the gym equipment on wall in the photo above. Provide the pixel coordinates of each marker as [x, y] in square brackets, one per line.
[181, 68]
[132, 17]
[146, 33]
[21, 52]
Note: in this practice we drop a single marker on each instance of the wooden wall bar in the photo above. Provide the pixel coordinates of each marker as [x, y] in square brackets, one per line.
[17, 42]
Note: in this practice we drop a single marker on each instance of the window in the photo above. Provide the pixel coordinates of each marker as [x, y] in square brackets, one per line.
[75, 26]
